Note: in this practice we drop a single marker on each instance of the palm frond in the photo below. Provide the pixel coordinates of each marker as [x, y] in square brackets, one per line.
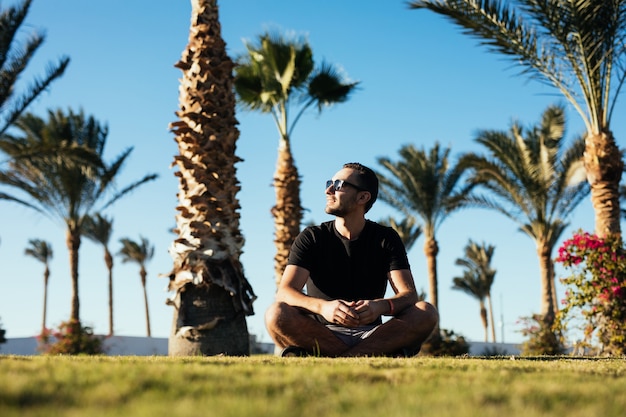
[577, 46]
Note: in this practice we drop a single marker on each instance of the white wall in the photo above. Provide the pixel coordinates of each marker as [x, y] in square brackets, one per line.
[149, 346]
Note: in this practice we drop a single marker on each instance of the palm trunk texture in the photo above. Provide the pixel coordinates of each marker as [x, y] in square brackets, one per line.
[212, 295]
[604, 166]
[288, 209]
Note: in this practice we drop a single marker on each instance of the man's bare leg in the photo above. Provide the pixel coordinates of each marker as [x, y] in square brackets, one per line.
[290, 326]
[410, 328]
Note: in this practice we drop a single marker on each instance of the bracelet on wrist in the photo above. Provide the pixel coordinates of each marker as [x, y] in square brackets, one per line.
[391, 309]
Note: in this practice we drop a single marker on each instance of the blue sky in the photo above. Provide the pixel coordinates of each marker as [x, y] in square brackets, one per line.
[422, 82]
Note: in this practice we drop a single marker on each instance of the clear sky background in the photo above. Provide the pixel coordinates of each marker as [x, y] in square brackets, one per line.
[422, 82]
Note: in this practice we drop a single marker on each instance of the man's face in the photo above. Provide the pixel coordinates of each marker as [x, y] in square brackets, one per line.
[343, 201]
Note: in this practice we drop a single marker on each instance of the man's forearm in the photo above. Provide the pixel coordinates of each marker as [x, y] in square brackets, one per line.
[401, 301]
[298, 299]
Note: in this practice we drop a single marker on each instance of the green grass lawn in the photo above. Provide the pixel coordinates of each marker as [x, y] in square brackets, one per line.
[302, 387]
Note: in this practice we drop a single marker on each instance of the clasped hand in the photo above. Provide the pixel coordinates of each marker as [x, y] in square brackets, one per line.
[351, 313]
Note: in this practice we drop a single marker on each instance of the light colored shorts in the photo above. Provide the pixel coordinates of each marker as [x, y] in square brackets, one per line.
[351, 336]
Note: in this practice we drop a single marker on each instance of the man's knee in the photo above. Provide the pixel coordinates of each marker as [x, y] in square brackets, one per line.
[274, 313]
[428, 312]
[280, 314]
[423, 317]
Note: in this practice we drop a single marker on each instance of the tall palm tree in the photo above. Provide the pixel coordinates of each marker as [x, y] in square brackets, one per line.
[42, 251]
[424, 184]
[578, 47]
[532, 178]
[140, 253]
[477, 279]
[278, 76]
[62, 191]
[212, 294]
[14, 59]
[98, 229]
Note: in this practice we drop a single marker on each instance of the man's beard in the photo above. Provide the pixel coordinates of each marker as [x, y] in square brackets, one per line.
[336, 211]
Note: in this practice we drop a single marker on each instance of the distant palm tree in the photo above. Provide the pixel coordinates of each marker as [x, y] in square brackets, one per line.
[140, 253]
[425, 185]
[407, 228]
[213, 295]
[42, 251]
[578, 47]
[477, 279]
[15, 58]
[98, 229]
[534, 180]
[62, 191]
[278, 76]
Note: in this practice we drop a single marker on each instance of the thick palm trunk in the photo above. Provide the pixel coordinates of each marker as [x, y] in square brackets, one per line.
[108, 260]
[207, 310]
[604, 166]
[73, 244]
[212, 294]
[431, 249]
[288, 209]
[546, 268]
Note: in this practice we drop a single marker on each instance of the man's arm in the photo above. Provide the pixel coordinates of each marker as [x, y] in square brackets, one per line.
[403, 286]
[290, 292]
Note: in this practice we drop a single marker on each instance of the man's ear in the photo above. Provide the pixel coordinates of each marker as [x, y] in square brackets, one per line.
[365, 197]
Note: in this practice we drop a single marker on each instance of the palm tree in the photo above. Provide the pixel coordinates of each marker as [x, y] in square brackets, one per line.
[477, 279]
[98, 229]
[578, 47]
[533, 179]
[139, 253]
[212, 294]
[15, 59]
[425, 185]
[278, 76]
[62, 191]
[42, 251]
[407, 228]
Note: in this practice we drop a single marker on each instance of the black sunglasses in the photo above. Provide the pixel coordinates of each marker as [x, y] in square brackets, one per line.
[338, 185]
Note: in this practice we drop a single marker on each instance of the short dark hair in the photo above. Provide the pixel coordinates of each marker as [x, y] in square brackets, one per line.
[367, 180]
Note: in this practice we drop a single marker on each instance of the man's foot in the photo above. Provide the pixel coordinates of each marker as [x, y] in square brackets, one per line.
[293, 351]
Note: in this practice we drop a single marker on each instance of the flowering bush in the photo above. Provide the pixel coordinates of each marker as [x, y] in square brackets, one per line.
[70, 339]
[543, 338]
[596, 289]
